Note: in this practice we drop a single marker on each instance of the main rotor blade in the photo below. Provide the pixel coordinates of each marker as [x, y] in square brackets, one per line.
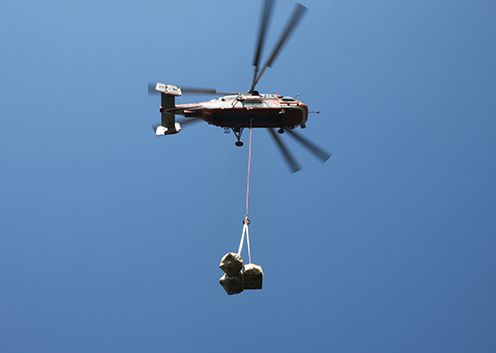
[200, 90]
[264, 23]
[290, 26]
[182, 122]
[293, 165]
[316, 150]
[192, 90]
[151, 89]
[188, 121]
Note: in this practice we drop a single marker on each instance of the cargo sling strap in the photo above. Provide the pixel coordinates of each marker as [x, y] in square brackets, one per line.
[246, 221]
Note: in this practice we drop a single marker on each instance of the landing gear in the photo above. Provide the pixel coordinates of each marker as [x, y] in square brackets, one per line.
[237, 132]
[281, 131]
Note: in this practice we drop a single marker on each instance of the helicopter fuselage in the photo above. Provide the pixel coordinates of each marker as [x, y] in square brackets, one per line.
[244, 111]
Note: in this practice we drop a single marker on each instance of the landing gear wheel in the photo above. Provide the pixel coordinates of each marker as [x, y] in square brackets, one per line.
[237, 132]
[281, 131]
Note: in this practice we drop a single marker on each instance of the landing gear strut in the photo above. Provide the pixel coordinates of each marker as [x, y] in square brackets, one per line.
[237, 132]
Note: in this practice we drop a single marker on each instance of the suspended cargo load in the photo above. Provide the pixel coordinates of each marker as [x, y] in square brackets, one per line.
[232, 284]
[235, 281]
[231, 264]
[252, 277]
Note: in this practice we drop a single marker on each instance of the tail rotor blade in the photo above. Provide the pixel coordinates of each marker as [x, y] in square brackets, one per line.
[293, 165]
[316, 150]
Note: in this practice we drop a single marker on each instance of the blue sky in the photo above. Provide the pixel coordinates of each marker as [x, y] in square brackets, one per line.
[110, 238]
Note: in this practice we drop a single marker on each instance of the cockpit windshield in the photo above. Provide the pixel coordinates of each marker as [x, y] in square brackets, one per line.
[288, 99]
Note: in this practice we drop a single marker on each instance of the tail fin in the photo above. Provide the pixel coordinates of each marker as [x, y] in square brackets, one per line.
[168, 94]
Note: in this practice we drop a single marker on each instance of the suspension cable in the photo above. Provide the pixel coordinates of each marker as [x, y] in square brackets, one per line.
[246, 221]
[248, 179]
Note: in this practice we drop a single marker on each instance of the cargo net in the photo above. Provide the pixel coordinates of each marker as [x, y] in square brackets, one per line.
[238, 276]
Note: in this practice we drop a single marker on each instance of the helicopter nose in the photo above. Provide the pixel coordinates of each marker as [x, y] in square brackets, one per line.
[305, 107]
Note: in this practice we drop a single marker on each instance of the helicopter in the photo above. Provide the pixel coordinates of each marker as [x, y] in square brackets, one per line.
[238, 111]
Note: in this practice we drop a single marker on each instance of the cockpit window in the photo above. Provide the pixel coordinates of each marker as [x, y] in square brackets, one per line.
[287, 99]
